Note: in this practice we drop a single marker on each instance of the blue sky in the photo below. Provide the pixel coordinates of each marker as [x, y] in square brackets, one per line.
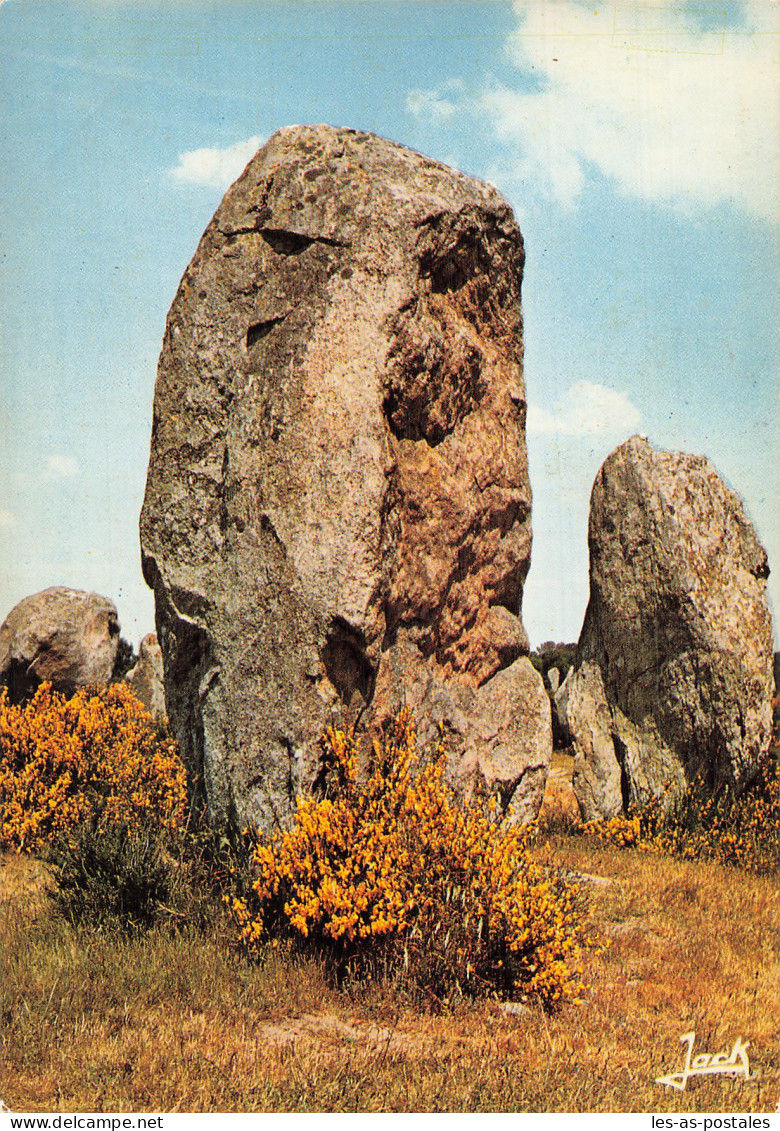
[637, 142]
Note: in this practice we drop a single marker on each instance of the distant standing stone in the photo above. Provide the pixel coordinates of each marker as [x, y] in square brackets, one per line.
[674, 665]
[65, 636]
[337, 510]
[146, 678]
[560, 711]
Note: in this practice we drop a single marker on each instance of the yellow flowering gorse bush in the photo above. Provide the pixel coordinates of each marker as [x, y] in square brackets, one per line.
[60, 757]
[740, 828]
[621, 831]
[394, 868]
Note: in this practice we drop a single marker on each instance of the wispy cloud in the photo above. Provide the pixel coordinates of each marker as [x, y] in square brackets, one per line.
[438, 105]
[217, 168]
[585, 410]
[59, 467]
[7, 519]
[668, 108]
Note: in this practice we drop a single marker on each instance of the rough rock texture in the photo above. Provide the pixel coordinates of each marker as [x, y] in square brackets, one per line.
[560, 712]
[674, 664]
[338, 492]
[501, 730]
[146, 678]
[65, 636]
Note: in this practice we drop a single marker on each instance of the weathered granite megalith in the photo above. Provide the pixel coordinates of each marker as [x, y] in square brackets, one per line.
[337, 510]
[674, 666]
[66, 637]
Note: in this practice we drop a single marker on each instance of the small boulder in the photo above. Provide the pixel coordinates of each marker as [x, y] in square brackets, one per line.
[674, 665]
[146, 678]
[64, 636]
[498, 734]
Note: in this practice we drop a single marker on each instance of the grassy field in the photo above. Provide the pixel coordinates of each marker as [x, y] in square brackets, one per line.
[179, 1022]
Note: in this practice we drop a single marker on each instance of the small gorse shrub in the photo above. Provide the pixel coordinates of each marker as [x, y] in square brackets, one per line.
[735, 827]
[392, 872]
[97, 788]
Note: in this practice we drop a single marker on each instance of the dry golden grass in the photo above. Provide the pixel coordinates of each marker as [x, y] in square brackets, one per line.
[559, 805]
[167, 1022]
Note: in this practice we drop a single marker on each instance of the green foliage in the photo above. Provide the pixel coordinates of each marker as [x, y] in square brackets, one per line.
[129, 877]
[126, 659]
[550, 655]
[110, 875]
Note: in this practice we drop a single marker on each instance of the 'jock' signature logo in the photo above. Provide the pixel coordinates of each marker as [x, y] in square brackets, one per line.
[734, 1063]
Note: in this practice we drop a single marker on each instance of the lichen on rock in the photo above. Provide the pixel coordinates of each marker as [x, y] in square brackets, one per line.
[338, 506]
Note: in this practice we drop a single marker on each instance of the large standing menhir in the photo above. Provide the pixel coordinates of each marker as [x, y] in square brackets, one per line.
[337, 511]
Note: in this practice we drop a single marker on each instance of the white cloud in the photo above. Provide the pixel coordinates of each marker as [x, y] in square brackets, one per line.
[438, 105]
[669, 110]
[7, 519]
[60, 467]
[217, 168]
[585, 410]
